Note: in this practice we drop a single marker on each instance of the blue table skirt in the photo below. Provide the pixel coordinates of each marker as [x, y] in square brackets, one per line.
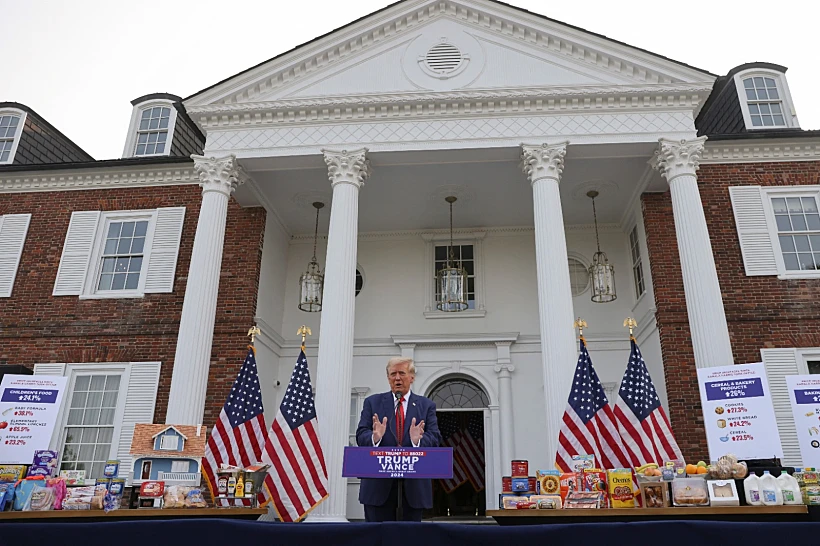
[227, 532]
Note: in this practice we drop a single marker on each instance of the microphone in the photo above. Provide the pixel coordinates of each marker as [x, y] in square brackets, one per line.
[397, 394]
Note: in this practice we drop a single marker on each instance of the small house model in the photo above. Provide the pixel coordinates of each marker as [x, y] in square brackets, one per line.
[168, 453]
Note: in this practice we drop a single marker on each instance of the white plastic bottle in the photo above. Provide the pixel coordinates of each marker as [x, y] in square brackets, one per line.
[790, 488]
[770, 492]
[752, 487]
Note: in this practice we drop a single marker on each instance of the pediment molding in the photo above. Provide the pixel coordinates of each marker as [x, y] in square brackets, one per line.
[504, 21]
[97, 178]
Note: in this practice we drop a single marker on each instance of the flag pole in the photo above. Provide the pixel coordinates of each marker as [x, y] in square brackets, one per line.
[304, 331]
[580, 324]
[253, 332]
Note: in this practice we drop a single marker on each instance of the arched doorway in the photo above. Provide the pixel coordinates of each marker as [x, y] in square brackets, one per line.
[460, 406]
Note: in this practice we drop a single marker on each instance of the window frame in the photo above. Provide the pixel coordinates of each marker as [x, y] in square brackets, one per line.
[475, 239]
[73, 371]
[18, 133]
[774, 233]
[92, 280]
[636, 265]
[789, 114]
[133, 128]
[358, 394]
[180, 462]
[175, 447]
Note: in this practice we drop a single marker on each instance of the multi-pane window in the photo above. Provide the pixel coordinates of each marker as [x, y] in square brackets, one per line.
[169, 442]
[814, 366]
[637, 264]
[798, 230]
[764, 102]
[578, 277]
[152, 134]
[90, 426]
[8, 129]
[122, 255]
[464, 256]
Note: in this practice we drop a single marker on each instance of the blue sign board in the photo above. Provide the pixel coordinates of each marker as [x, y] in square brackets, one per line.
[749, 387]
[39, 396]
[398, 462]
[811, 396]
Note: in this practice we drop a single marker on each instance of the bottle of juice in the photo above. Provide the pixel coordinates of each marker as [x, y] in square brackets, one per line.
[752, 486]
[770, 492]
[240, 486]
[790, 488]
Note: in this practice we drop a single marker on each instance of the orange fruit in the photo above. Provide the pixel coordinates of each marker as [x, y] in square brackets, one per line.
[702, 470]
[691, 469]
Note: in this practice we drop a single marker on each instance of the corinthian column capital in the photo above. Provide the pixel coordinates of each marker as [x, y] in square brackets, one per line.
[543, 161]
[676, 157]
[347, 167]
[221, 174]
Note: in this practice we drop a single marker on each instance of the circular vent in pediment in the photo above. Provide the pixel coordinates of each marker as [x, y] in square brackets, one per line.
[443, 58]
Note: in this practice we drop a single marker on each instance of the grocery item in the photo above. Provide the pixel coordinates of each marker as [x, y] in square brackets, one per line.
[35, 470]
[752, 487]
[654, 494]
[546, 502]
[790, 488]
[689, 492]
[240, 486]
[24, 489]
[73, 477]
[46, 458]
[6, 495]
[770, 493]
[621, 488]
[232, 486]
[519, 485]
[594, 480]
[570, 482]
[506, 484]
[511, 502]
[549, 482]
[723, 493]
[60, 490]
[111, 469]
[584, 499]
[580, 463]
[249, 485]
[195, 499]
[41, 499]
[520, 468]
[11, 472]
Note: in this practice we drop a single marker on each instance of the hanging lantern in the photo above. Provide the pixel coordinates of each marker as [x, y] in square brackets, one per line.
[451, 280]
[312, 281]
[601, 272]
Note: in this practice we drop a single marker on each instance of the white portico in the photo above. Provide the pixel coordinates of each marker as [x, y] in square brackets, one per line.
[517, 116]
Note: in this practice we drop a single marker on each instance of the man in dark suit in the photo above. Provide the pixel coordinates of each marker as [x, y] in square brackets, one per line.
[392, 419]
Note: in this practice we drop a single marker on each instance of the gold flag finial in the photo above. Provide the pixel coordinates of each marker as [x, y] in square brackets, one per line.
[304, 331]
[580, 324]
[254, 331]
[630, 323]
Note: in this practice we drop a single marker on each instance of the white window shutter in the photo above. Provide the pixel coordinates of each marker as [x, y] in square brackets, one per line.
[756, 243]
[13, 230]
[779, 363]
[140, 400]
[162, 263]
[49, 369]
[79, 244]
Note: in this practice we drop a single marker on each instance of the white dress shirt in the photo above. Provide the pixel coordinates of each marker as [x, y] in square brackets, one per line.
[404, 410]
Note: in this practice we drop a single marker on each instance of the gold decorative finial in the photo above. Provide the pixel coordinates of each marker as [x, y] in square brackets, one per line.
[630, 323]
[304, 331]
[580, 324]
[254, 331]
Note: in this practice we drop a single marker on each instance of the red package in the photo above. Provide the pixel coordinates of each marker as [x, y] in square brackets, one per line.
[595, 480]
[570, 482]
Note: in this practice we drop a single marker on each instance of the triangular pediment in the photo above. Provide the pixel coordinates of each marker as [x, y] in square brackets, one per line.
[430, 46]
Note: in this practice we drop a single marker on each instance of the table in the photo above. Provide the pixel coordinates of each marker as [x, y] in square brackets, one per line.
[142, 514]
[796, 512]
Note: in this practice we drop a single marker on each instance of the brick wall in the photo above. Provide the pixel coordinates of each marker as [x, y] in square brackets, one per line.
[762, 312]
[37, 327]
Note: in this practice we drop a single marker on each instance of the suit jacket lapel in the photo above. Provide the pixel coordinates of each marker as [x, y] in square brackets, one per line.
[408, 418]
[390, 409]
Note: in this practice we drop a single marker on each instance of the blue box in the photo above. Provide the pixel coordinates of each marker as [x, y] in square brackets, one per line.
[520, 485]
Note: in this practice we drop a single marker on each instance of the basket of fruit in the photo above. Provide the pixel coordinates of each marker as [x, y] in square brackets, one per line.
[697, 470]
[648, 473]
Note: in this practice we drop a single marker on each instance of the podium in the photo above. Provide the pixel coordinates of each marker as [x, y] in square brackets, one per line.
[398, 463]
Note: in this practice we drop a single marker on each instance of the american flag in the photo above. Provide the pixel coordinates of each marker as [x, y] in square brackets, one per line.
[588, 426]
[239, 433]
[298, 468]
[470, 451]
[452, 437]
[642, 423]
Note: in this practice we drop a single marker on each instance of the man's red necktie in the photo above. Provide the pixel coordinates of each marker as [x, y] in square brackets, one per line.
[399, 420]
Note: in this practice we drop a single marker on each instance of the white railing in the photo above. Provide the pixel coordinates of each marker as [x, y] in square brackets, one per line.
[179, 478]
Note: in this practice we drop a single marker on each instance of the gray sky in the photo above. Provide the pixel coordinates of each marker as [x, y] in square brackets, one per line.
[79, 63]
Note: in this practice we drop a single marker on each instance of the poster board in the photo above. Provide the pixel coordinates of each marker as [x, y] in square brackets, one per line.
[29, 408]
[804, 393]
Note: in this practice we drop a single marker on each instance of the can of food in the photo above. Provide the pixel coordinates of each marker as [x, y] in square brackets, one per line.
[520, 485]
[520, 469]
[506, 484]
[532, 482]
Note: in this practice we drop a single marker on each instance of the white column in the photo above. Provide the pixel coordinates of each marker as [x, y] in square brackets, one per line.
[504, 370]
[347, 172]
[678, 162]
[543, 165]
[189, 381]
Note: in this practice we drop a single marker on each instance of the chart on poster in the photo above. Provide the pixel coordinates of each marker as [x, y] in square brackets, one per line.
[29, 407]
[804, 392]
[738, 413]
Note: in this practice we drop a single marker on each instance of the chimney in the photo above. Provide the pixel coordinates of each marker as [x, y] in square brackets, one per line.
[198, 429]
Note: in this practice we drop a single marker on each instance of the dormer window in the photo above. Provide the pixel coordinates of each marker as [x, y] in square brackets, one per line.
[152, 126]
[766, 101]
[169, 442]
[11, 126]
[152, 135]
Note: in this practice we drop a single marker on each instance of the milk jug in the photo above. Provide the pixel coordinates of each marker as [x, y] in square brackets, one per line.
[790, 488]
[752, 486]
[770, 492]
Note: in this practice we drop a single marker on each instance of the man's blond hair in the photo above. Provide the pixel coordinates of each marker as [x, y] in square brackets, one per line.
[402, 360]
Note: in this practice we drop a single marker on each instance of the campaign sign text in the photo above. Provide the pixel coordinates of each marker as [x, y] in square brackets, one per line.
[738, 388]
[398, 462]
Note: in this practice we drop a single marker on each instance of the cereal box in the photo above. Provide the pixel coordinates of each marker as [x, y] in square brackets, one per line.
[549, 482]
[570, 482]
[595, 480]
[11, 472]
[621, 488]
[581, 463]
